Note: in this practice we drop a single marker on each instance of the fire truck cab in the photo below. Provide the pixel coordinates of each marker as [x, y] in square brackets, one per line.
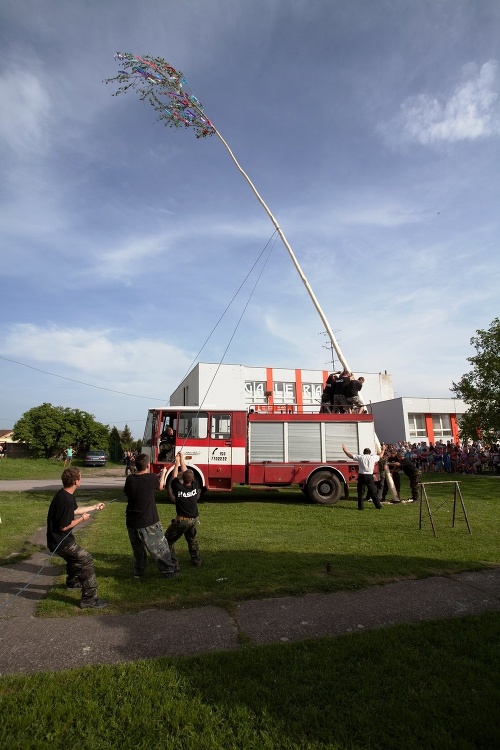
[269, 448]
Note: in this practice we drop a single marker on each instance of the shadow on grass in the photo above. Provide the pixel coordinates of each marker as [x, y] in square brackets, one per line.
[230, 576]
[363, 690]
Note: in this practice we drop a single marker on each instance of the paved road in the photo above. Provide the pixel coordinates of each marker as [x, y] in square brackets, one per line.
[24, 485]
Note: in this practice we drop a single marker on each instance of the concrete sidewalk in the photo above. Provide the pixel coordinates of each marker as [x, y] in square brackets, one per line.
[29, 644]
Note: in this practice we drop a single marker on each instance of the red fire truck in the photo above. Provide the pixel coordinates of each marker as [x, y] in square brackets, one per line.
[271, 448]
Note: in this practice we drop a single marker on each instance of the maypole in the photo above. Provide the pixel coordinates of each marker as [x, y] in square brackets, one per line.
[160, 84]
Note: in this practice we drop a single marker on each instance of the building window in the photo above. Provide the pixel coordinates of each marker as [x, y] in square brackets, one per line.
[311, 393]
[416, 426]
[441, 424]
[255, 392]
[284, 393]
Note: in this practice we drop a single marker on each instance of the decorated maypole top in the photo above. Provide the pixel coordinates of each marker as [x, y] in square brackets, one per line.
[164, 88]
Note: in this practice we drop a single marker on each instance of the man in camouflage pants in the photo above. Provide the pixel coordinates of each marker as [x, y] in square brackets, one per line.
[143, 522]
[64, 515]
[413, 474]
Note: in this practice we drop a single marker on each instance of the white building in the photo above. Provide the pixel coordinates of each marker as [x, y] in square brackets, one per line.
[260, 388]
[418, 419]
[242, 387]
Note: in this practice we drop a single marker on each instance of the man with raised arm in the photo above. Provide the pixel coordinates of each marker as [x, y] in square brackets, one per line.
[366, 464]
[186, 494]
[143, 522]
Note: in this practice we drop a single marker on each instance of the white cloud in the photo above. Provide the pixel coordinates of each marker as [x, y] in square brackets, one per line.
[469, 113]
[102, 357]
[25, 109]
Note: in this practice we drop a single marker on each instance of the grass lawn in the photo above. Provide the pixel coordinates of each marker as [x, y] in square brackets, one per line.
[261, 543]
[431, 685]
[42, 468]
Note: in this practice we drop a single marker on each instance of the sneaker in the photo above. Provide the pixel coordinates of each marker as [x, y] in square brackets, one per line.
[73, 586]
[196, 561]
[93, 604]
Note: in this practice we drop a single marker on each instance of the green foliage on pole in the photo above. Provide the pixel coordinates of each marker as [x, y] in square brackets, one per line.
[48, 430]
[480, 388]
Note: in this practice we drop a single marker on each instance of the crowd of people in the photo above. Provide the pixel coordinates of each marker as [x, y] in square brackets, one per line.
[341, 394]
[413, 460]
[450, 457]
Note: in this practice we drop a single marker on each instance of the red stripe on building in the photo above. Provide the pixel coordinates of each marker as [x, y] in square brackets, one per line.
[299, 396]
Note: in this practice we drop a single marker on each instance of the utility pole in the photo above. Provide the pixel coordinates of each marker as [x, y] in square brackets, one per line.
[329, 345]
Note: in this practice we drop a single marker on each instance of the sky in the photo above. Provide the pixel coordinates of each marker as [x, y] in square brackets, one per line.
[131, 251]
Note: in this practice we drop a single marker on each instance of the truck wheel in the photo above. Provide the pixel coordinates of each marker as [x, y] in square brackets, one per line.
[324, 488]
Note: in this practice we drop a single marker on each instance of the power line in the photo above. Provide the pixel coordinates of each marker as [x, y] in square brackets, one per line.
[81, 382]
[151, 398]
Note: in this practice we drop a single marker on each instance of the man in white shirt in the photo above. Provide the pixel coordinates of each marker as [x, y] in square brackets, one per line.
[366, 464]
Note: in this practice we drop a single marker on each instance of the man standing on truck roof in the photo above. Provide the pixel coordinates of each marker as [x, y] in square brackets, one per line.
[352, 395]
[366, 464]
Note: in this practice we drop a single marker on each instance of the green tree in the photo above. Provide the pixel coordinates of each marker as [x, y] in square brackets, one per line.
[480, 388]
[126, 438]
[48, 430]
[115, 445]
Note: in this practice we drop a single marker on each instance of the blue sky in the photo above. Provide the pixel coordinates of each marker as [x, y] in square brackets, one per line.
[372, 131]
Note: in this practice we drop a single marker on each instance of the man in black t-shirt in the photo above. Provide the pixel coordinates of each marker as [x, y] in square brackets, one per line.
[63, 516]
[352, 394]
[167, 445]
[339, 392]
[413, 474]
[143, 522]
[394, 467]
[327, 395]
[186, 495]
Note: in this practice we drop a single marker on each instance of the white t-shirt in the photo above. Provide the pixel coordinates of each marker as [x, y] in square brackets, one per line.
[366, 462]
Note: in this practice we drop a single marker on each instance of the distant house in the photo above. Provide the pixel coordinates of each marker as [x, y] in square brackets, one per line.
[5, 438]
[11, 448]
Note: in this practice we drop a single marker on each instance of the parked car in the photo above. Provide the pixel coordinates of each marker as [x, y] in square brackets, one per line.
[96, 458]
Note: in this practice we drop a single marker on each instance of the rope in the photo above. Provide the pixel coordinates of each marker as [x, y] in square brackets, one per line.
[232, 300]
[238, 322]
